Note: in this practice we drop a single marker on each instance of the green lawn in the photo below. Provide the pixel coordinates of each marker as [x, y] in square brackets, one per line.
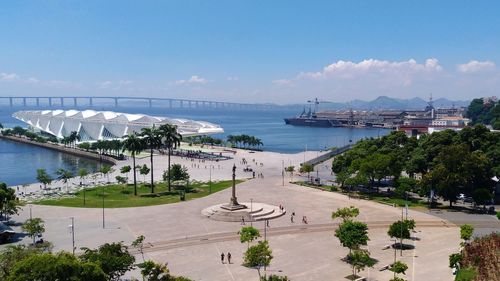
[121, 196]
[380, 198]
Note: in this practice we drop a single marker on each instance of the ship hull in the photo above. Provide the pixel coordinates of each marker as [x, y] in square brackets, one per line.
[311, 122]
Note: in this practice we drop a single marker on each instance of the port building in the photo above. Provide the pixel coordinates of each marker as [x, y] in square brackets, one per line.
[92, 125]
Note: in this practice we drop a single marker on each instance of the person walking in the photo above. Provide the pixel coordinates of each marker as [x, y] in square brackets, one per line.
[291, 218]
[222, 257]
[229, 257]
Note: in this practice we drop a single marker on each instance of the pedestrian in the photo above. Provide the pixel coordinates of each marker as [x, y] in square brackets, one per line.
[228, 257]
[242, 220]
[222, 257]
[291, 218]
[293, 213]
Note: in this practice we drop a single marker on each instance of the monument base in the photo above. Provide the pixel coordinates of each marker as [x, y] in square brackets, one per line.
[258, 212]
[233, 207]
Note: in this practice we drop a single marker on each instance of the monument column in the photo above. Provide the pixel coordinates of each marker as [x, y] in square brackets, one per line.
[233, 203]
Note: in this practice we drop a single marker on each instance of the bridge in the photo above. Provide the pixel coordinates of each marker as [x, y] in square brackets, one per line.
[91, 101]
[328, 155]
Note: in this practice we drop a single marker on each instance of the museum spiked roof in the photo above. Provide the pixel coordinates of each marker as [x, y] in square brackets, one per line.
[94, 125]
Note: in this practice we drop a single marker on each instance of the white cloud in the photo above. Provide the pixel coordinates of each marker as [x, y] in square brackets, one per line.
[474, 66]
[9, 76]
[349, 70]
[105, 84]
[32, 80]
[233, 78]
[195, 79]
[282, 82]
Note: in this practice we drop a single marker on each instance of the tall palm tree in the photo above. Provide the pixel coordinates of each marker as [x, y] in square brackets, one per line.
[171, 139]
[134, 145]
[152, 137]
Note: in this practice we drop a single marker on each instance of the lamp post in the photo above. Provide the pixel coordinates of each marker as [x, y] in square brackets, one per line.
[31, 216]
[283, 172]
[251, 210]
[395, 241]
[265, 230]
[72, 229]
[210, 181]
[103, 223]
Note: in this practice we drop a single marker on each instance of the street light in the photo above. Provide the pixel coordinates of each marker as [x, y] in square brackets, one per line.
[72, 230]
[210, 181]
[251, 211]
[103, 224]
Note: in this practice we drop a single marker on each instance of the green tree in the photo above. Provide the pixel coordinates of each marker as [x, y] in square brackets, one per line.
[125, 169]
[401, 230]
[176, 173]
[64, 176]
[290, 169]
[359, 260]
[152, 271]
[121, 180]
[82, 174]
[152, 137]
[306, 168]
[248, 234]
[352, 234]
[34, 227]
[258, 256]
[144, 170]
[12, 254]
[347, 213]
[138, 243]
[114, 259]
[106, 170]
[482, 196]
[171, 139]
[43, 177]
[398, 268]
[134, 145]
[466, 231]
[9, 204]
[62, 266]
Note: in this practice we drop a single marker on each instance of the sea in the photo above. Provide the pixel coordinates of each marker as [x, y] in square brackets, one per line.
[19, 162]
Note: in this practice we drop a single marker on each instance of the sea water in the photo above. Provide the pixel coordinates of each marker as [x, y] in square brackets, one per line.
[18, 162]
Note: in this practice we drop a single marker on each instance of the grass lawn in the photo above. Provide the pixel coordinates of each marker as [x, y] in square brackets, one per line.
[380, 198]
[121, 196]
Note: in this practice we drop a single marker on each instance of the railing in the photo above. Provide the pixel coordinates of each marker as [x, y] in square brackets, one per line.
[328, 155]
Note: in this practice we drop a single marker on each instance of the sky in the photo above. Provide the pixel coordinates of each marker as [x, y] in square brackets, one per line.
[251, 51]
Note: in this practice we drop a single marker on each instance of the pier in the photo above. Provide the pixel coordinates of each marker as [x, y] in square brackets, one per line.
[91, 101]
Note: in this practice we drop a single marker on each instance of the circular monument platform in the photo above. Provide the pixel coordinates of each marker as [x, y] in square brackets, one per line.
[253, 212]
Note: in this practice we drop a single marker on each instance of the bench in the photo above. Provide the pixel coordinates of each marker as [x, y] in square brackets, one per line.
[385, 267]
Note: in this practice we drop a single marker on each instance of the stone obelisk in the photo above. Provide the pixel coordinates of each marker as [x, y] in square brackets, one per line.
[233, 202]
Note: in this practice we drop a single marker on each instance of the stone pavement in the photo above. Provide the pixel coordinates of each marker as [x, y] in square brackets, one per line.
[302, 252]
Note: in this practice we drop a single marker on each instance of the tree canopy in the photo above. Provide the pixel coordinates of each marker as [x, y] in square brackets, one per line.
[113, 258]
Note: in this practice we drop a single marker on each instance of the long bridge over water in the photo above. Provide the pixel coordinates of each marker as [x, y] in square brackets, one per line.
[91, 101]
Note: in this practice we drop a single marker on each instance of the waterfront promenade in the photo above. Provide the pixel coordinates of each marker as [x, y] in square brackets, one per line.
[191, 244]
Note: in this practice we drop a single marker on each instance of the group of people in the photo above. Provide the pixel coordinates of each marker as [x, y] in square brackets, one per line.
[304, 218]
[222, 256]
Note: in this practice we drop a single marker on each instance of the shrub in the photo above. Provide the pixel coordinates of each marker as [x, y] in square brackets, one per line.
[498, 215]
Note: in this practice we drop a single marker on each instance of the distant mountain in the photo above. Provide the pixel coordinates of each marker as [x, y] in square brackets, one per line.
[388, 103]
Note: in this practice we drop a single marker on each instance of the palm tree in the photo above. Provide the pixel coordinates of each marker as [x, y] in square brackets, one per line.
[171, 138]
[152, 137]
[134, 145]
[83, 173]
[64, 175]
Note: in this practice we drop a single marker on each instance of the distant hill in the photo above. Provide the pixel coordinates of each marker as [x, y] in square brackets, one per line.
[388, 103]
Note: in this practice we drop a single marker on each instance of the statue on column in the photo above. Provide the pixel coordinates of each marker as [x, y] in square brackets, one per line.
[233, 202]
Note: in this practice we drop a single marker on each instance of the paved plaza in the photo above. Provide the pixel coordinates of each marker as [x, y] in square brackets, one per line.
[191, 244]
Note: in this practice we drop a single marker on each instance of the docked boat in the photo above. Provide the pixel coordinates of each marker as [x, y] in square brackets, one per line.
[310, 119]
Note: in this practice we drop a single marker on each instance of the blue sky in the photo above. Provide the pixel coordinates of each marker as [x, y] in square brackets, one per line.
[262, 51]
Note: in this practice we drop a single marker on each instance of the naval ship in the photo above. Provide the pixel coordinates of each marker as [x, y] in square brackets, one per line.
[310, 119]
